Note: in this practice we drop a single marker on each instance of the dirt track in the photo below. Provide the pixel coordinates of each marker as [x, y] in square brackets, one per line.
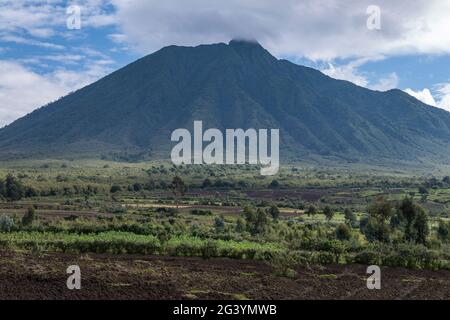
[23, 276]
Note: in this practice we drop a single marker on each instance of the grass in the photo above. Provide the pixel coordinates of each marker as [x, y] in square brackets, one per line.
[125, 242]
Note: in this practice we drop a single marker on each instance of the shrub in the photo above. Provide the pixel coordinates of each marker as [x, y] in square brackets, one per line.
[380, 209]
[323, 258]
[368, 257]
[209, 249]
[443, 230]
[376, 230]
[284, 264]
[11, 188]
[199, 212]
[206, 183]
[415, 257]
[311, 211]
[274, 212]
[171, 212]
[219, 224]
[343, 232]
[256, 221]
[275, 184]
[350, 218]
[6, 223]
[29, 217]
[240, 225]
[115, 188]
[328, 213]
[416, 221]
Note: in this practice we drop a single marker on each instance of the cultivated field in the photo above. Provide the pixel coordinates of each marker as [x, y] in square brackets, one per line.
[157, 231]
[155, 277]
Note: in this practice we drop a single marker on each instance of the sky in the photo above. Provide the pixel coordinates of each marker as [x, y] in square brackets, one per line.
[49, 48]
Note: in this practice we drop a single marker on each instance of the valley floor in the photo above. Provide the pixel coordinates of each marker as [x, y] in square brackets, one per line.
[27, 276]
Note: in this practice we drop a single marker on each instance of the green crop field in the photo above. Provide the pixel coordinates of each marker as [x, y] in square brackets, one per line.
[223, 211]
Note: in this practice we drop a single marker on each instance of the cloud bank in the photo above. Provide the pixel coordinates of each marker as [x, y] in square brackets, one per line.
[316, 29]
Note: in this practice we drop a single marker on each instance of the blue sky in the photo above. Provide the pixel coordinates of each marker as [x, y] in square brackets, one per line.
[41, 59]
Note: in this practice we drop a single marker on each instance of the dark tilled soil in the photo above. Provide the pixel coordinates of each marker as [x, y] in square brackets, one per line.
[24, 276]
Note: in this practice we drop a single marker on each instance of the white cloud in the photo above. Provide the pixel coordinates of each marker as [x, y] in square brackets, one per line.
[30, 81]
[30, 42]
[351, 73]
[31, 16]
[27, 90]
[387, 83]
[42, 32]
[443, 96]
[423, 95]
[320, 30]
[440, 99]
[118, 37]
[347, 72]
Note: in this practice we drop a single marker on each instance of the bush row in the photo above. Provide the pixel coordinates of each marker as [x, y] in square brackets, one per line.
[123, 242]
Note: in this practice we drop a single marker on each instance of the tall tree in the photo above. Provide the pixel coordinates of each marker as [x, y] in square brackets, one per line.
[274, 212]
[178, 188]
[328, 213]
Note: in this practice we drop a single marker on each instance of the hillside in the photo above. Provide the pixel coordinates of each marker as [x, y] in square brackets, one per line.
[237, 85]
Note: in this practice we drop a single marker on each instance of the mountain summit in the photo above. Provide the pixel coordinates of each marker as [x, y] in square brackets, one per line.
[237, 85]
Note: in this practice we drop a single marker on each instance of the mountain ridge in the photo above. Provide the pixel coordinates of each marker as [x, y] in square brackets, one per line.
[237, 85]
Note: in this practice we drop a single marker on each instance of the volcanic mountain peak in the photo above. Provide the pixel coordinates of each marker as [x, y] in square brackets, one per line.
[239, 85]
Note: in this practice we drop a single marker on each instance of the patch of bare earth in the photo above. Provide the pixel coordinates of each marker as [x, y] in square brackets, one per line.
[25, 276]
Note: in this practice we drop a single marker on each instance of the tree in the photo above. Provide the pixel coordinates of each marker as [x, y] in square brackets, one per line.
[240, 225]
[274, 212]
[350, 218]
[31, 192]
[424, 198]
[443, 231]
[178, 187]
[376, 230]
[256, 222]
[311, 210]
[416, 221]
[115, 189]
[206, 183]
[29, 216]
[219, 223]
[421, 226]
[381, 209]
[261, 221]
[275, 184]
[376, 227]
[328, 213]
[343, 232]
[12, 188]
[6, 223]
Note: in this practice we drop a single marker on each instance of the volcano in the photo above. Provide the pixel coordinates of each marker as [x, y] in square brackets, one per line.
[133, 111]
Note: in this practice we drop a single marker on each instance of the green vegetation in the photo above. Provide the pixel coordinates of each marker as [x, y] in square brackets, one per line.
[28, 218]
[312, 217]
